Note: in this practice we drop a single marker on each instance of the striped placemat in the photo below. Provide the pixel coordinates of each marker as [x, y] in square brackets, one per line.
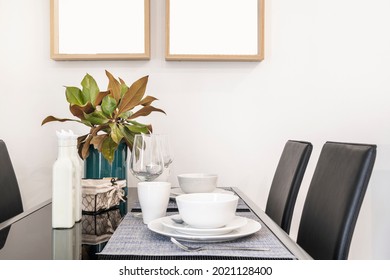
[133, 240]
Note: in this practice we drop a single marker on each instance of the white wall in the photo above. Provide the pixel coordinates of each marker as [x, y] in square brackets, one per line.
[325, 77]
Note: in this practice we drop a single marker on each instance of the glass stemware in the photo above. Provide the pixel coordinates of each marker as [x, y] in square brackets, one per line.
[165, 149]
[167, 155]
[146, 161]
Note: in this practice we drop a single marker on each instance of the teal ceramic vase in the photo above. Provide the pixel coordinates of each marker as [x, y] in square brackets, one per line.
[97, 167]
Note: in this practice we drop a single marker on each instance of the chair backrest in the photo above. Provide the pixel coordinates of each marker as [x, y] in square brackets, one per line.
[334, 199]
[287, 181]
[10, 199]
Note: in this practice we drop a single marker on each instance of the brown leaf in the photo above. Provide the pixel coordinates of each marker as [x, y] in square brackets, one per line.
[114, 86]
[96, 129]
[52, 119]
[81, 139]
[97, 141]
[147, 100]
[80, 144]
[85, 147]
[133, 95]
[121, 81]
[145, 111]
[100, 97]
[78, 111]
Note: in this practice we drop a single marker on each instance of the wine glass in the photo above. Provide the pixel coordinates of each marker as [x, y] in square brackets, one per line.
[146, 161]
[166, 154]
[165, 149]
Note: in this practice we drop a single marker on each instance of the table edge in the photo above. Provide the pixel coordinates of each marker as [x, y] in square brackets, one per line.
[24, 214]
[291, 245]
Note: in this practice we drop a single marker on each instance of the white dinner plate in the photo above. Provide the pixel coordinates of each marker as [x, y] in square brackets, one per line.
[250, 228]
[178, 191]
[236, 223]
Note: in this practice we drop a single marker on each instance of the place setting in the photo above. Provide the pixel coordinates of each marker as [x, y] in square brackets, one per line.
[205, 215]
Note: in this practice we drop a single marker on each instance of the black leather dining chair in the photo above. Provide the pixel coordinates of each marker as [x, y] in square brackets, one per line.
[10, 199]
[334, 198]
[287, 181]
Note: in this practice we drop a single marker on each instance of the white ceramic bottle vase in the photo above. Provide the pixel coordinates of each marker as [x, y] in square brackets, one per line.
[62, 187]
[76, 177]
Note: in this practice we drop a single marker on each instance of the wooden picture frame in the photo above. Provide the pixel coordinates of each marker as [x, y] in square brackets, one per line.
[100, 30]
[215, 30]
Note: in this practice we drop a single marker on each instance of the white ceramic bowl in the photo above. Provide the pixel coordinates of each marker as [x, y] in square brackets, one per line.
[197, 182]
[207, 210]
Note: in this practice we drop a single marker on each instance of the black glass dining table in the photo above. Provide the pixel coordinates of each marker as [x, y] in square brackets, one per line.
[103, 235]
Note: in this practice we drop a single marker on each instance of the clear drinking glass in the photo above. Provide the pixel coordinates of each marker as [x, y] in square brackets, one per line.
[146, 161]
[165, 149]
[167, 155]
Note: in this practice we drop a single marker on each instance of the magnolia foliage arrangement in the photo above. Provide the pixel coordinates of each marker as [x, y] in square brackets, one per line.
[110, 114]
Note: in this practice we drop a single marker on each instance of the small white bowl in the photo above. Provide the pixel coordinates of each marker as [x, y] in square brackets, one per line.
[207, 210]
[197, 182]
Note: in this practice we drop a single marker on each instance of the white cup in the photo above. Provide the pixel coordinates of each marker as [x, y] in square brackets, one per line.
[153, 197]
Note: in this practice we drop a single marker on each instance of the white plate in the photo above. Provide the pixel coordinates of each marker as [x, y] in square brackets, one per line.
[178, 191]
[236, 223]
[250, 228]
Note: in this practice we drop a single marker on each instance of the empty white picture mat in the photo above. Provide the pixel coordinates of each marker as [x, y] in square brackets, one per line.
[101, 26]
[94, 28]
[203, 28]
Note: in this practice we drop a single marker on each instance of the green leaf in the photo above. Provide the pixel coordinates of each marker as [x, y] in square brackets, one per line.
[108, 105]
[75, 96]
[124, 87]
[125, 115]
[134, 95]
[128, 136]
[148, 126]
[136, 123]
[115, 134]
[96, 118]
[87, 123]
[108, 149]
[138, 129]
[90, 88]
